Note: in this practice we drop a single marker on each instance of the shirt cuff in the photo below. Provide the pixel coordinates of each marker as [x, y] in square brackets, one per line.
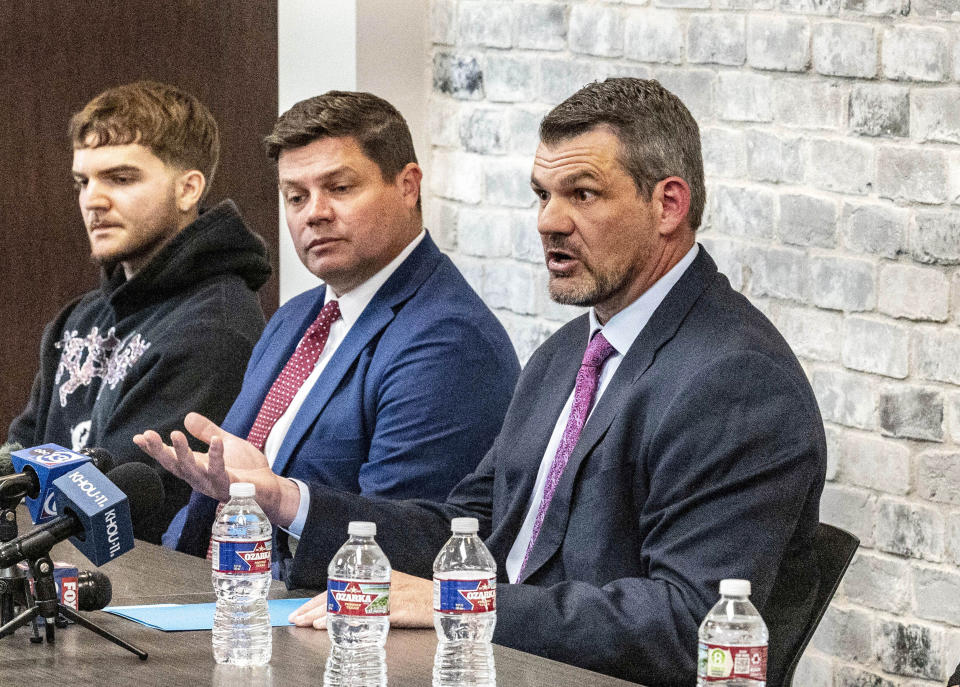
[296, 527]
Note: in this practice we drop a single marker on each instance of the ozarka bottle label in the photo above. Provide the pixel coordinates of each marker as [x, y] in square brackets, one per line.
[722, 662]
[241, 556]
[350, 597]
[465, 596]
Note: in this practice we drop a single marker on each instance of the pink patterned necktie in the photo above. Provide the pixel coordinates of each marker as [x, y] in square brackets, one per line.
[293, 375]
[584, 392]
[289, 381]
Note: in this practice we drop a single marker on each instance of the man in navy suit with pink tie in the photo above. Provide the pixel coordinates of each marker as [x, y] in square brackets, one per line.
[663, 441]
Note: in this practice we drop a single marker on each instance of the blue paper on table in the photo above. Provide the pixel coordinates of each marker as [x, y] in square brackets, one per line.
[176, 617]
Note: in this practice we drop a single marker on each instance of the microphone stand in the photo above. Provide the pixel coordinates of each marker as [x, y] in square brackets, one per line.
[47, 606]
[14, 587]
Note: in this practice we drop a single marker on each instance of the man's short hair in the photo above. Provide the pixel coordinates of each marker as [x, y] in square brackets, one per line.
[376, 125]
[658, 135]
[173, 124]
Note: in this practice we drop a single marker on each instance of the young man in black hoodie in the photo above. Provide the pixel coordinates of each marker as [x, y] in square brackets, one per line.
[176, 315]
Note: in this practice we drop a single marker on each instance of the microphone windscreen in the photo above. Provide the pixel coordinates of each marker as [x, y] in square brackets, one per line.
[101, 458]
[6, 460]
[144, 491]
[94, 590]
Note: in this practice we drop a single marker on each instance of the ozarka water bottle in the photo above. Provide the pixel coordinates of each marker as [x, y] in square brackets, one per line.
[241, 545]
[464, 609]
[733, 641]
[358, 611]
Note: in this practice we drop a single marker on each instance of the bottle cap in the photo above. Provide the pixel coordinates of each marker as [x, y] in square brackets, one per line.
[242, 489]
[734, 587]
[464, 525]
[358, 528]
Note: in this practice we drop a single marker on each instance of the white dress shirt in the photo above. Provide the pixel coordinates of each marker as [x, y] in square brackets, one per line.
[352, 304]
[621, 331]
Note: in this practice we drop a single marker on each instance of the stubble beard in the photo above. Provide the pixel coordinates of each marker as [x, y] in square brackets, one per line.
[144, 240]
[132, 253]
[143, 243]
[593, 288]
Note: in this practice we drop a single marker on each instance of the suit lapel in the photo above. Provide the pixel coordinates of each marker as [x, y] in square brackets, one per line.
[661, 327]
[401, 285]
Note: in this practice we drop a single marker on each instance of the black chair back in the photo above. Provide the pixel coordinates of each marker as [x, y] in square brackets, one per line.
[835, 548]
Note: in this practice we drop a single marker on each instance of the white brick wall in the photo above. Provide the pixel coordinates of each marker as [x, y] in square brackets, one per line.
[831, 139]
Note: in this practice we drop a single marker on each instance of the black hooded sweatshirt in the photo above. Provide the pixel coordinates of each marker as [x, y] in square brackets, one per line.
[141, 354]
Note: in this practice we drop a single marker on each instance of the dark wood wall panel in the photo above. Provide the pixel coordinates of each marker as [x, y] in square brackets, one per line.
[57, 54]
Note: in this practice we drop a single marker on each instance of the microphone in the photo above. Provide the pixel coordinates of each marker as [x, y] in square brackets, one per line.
[144, 491]
[96, 519]
[6, 462]
[81, 590]
[37, 468]
[94, 590]
[100, 457]
[8, 521]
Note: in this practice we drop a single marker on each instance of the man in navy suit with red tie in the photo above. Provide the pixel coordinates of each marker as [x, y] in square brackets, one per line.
[392, 378]
[663, 441]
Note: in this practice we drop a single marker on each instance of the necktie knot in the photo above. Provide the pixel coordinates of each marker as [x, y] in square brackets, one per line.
[328, 314]
[598, 350]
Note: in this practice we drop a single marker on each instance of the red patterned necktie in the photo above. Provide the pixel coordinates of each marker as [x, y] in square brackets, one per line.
[588, 376]
[289, 381]
[293, 375]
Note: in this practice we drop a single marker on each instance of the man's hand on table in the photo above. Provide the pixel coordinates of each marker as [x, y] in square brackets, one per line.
[411, 604]
[229, 459]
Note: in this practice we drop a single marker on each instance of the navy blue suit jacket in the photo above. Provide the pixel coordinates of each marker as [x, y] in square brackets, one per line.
[704, 459]
[407, 405]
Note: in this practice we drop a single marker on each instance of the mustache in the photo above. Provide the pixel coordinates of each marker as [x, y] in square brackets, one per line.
[96, 221]
[558, 243]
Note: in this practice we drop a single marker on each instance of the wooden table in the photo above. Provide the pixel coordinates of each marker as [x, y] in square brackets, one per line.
[152, 574]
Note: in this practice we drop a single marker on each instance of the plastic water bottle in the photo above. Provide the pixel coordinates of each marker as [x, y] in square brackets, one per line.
[464, 609]
[733, 641]
[241, 547]
[358, 611]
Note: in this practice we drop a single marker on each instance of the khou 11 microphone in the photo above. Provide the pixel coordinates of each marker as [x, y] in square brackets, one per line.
[37, 468]
[95, 516]
[91, 506]
[90, 590]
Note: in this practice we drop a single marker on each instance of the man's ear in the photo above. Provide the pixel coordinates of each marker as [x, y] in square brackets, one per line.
[190, 187]
[408, 181]
[672, 197]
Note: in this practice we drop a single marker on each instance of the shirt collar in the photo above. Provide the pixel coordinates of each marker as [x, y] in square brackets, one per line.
[353, 303]
[624, 327]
